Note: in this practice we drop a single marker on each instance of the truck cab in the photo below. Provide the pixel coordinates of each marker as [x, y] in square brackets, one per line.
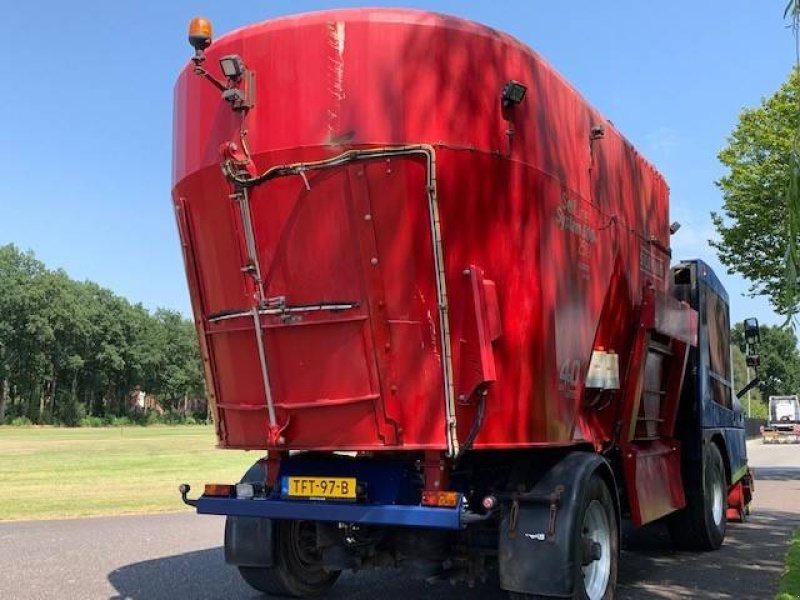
[709, 411]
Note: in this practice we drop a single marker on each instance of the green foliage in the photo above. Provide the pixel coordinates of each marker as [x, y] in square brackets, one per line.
[761, 197]
[758, 408]
[779, 373]
[790, 581]
[70, 350]
[21, 422]
[71, 413]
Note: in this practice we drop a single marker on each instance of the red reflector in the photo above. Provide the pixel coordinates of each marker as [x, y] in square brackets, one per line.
[448, 499]
[219, 489]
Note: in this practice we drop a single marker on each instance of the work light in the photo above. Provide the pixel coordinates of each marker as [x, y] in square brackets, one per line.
[513, 93]
[232, 66]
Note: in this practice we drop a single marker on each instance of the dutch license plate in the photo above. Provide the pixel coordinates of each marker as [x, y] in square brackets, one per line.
[333, 488]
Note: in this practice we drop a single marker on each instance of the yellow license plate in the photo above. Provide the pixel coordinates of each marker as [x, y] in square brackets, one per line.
[334, 488]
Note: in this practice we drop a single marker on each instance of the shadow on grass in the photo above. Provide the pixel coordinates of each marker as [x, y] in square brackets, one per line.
[749, 565]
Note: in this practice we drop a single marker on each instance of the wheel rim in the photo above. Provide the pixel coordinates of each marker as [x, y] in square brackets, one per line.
[596, 539]
[716, 502]
[303, 546]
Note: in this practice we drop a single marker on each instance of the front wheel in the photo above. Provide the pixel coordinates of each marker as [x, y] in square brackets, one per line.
[701, 525]
[297, 572]
[595, 551]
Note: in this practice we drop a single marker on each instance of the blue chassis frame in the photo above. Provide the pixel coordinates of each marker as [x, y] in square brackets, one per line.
[366, 514]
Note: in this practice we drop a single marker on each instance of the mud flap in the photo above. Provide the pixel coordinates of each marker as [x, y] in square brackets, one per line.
[249, 541]
[538, 530]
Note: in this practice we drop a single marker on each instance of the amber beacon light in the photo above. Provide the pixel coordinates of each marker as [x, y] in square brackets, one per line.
[200, 32]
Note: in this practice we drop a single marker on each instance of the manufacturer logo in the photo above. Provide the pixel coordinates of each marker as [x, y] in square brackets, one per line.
[537, 537]
[575, 220]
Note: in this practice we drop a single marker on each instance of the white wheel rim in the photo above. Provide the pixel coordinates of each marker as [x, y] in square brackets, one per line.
[716, 504]
[597, 529]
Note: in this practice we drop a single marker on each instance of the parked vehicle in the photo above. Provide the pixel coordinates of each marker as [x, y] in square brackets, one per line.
[783, 425]
[434, 285]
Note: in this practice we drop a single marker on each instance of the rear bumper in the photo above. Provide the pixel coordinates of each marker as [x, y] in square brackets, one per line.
[365, 514]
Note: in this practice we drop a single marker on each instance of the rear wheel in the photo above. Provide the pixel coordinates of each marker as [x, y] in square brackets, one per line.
[596, 547]
[702, 523]
[297, 571]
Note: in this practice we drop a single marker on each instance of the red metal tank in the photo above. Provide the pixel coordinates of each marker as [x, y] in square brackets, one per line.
[473, 248]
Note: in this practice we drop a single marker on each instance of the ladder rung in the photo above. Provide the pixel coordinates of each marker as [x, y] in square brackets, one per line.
[660, 348]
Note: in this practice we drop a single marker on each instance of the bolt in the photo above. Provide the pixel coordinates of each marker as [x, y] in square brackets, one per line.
[374, 261]
[368, 217]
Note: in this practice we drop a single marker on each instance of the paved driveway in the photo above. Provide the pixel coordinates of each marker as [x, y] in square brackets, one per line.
[164, 557]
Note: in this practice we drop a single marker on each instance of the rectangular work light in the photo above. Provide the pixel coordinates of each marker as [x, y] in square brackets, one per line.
[232, 66]
[513, 93]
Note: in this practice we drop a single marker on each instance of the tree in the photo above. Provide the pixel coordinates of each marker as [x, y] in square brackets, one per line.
[755, 240]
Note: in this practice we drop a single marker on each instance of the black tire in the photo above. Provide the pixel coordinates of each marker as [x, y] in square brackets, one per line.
[297, 572]
[701, 525]
[599, 501]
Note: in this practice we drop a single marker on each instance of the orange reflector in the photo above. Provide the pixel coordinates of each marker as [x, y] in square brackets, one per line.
[200, 32]
[219, 489]
[449, 499]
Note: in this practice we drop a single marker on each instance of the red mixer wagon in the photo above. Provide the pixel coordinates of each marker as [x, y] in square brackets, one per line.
[434, 285]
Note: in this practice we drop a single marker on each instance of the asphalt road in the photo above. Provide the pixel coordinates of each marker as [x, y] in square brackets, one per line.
[166, 557]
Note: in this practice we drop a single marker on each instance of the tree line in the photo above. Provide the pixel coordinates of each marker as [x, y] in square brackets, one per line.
[71, 349]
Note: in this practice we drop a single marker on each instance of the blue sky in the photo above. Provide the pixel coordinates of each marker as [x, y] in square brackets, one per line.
[86, 109]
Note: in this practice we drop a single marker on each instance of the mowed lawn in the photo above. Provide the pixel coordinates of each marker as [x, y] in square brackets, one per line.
[52, 473]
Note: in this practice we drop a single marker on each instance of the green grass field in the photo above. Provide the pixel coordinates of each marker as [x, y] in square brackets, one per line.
[790, 582]
[53, 473]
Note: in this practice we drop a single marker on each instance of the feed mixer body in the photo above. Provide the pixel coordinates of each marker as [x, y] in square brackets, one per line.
[441, 265]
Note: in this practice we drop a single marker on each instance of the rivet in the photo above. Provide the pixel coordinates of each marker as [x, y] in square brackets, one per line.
[374, 261]
[368, 217]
